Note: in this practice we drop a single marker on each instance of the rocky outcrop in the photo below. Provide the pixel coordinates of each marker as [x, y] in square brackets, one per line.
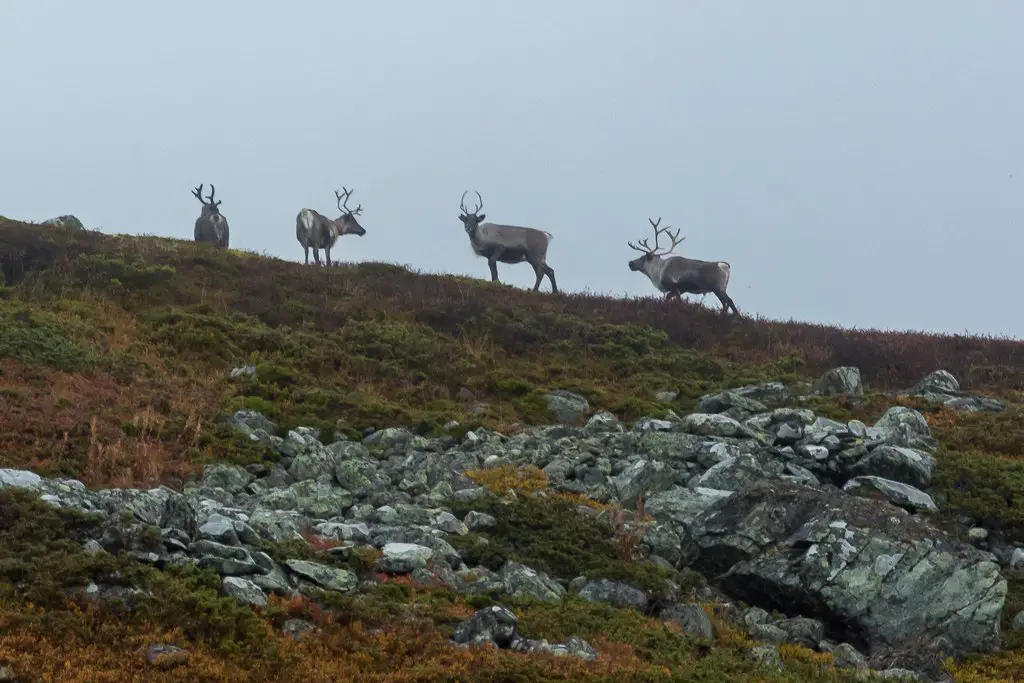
[821, 520]
[66, 221]
[942, 387]
[877, 576]
[498, 626]
[843, 381]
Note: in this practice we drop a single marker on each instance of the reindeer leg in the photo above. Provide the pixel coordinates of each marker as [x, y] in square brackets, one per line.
[327, 256]
[538, 270]
[492, 263]
[551, 278]
[316, 255]
[727, 303]
[306, 249]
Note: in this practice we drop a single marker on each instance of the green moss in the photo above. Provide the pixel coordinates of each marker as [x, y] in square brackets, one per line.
[999, 433]
[576, 617]
[36, 337]
[42, 556]
[222, 443]
[1013, 640]
[985, 487]
[189, 599]
[34, 534]
[980, 470]
[119, 272]
[551, 536]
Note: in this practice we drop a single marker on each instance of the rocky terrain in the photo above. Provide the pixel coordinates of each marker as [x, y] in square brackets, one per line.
[800, 527]
[821, 527]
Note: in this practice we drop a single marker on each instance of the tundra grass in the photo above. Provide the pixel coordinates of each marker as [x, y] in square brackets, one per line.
[115, 360]
[396, 632]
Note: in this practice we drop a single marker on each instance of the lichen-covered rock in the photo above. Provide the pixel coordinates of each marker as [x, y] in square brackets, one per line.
[493, 624]
[331, 578]
[846, 656]
[402, 558]
[642, 477]
[479, 521]
[937, 382]
[614, 593]
[897, 493]
[244, 590]
[874, 572]
[231, 478]
[903, 426]
[520, 580]
[734, 472]
[691, 618]
[566, 406]
[842, 381]
[497, 625]
[67, 221]
[682, 505]
[704, 424]
[730, 403]
[906, 465]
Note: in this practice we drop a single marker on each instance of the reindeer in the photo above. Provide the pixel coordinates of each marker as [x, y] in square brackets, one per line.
[211, 226]
[678, 275]
[317, 231]
[507, 243]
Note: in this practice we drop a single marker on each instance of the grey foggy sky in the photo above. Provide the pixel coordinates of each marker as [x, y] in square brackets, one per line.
[852, 161]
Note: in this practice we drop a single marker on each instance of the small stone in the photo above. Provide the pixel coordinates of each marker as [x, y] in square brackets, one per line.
[603, 421]
[843, 381]
[692, 619]
[244, 591]
[846, 656]
[977, 535]
[294, 628]
[566, 406]
[332, 578]
[897, 493]
[478, 521]
[401, 558]
[613, 593]
[767, 655]
[163, 656]
[494, 624]
[857, 428]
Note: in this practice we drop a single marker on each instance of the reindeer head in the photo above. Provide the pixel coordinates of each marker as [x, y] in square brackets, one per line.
[471, 219]
[349, 223]
[652, 255]
[210, 207]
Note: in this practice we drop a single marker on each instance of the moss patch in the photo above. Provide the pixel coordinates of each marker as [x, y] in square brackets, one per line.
[550, 535]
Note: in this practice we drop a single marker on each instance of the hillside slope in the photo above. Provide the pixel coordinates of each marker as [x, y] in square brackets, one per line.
[116, 360]
[103, 332]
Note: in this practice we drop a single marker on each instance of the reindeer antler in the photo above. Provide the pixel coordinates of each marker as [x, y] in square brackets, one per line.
[198, 194]
[646, 248]
[462, 203]
[343, 202]
[210, 198]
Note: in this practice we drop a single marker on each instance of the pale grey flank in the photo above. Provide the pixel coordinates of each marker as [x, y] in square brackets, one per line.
[506, 243]
[316, 231]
